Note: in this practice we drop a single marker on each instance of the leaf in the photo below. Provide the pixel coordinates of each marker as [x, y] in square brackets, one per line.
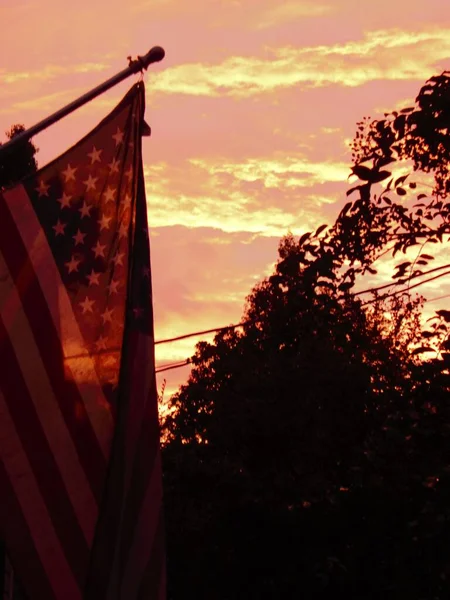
[427, 334]
[304, 237]
[344, 211]
[379, 176]
[422, 349]
[427, 256]
[401, 191]
[372, 271]
[413, 185]
[361, 172]
[445, 314]
[400, 180]
[422, 262]
[407, 110]
[403, 265]
[344, 287]
[353, 189]
[320, 229]
[420, 196]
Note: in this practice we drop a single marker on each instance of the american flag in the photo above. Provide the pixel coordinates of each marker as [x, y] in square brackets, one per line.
[80, 472]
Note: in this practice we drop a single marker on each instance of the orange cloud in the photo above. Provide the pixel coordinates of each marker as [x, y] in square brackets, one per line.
[265, 196]
[391, 55]
[290, 11]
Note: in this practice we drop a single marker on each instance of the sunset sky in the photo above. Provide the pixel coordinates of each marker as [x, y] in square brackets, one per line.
[251, 111]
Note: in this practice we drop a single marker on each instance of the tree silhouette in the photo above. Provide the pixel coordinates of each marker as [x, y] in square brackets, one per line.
[306, 456]
[18, 163]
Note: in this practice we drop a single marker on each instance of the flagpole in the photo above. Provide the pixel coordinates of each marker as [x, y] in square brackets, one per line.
[156, 54]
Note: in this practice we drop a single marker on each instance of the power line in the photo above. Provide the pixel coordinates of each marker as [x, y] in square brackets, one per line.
[188, 361]
[188, 335]
[173, 366]
[386, 285]
[438, 298]
[408, 289]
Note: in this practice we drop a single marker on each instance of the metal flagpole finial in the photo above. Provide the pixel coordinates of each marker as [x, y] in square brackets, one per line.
[156, 54]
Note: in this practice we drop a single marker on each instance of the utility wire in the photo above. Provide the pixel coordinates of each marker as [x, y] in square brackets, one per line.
[188, 335]
[173, 366]
[407, 289]
[386, 285]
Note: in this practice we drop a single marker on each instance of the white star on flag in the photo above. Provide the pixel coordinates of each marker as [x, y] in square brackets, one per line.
[69, 173]
[112, 287]
[117, 260]
[123, 230]
[59, 227]
[90, 183]
[72, 265]
[79, 237]
[86, 305]
[118, 136]
[110, 193]
[107, 316]
[95, 155]
[129, 172]
[84, 210]
[42, 189]
[94, 278]
[101, 343]
[114, 166]
[99, 250]
[65, 200]
[104, 222]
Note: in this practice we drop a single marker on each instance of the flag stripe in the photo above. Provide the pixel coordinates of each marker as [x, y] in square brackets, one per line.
[22, 551]
[139, 457]
[79, 431]
[153, 582]
[27, 488]
[36, 308]
[62, 313]
[144, 469]
[22, 417]
[145, 530]
[46, 405]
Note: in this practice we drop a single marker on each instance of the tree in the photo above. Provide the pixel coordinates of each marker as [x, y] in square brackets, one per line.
[274, 420]
[305, 457]
[20, 162]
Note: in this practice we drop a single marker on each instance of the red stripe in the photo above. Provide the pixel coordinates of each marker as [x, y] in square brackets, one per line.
[142, 470]
[153, 584]
[21, 550]
[118, 517]
[144, 449]
[70, 404]
[41, 459]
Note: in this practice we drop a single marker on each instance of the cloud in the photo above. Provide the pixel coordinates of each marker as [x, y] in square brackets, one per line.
[46, 102]
[384, 55]
[264, 196]
[50, 72]
[291, 11]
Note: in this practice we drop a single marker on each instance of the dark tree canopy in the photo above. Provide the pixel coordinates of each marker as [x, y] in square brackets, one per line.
[20, 162]
[307, 456]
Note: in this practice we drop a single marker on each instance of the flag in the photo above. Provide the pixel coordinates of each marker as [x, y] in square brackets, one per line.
[80, 470]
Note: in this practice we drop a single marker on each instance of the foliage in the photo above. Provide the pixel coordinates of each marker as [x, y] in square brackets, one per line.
[307, 454]
[20, 162]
